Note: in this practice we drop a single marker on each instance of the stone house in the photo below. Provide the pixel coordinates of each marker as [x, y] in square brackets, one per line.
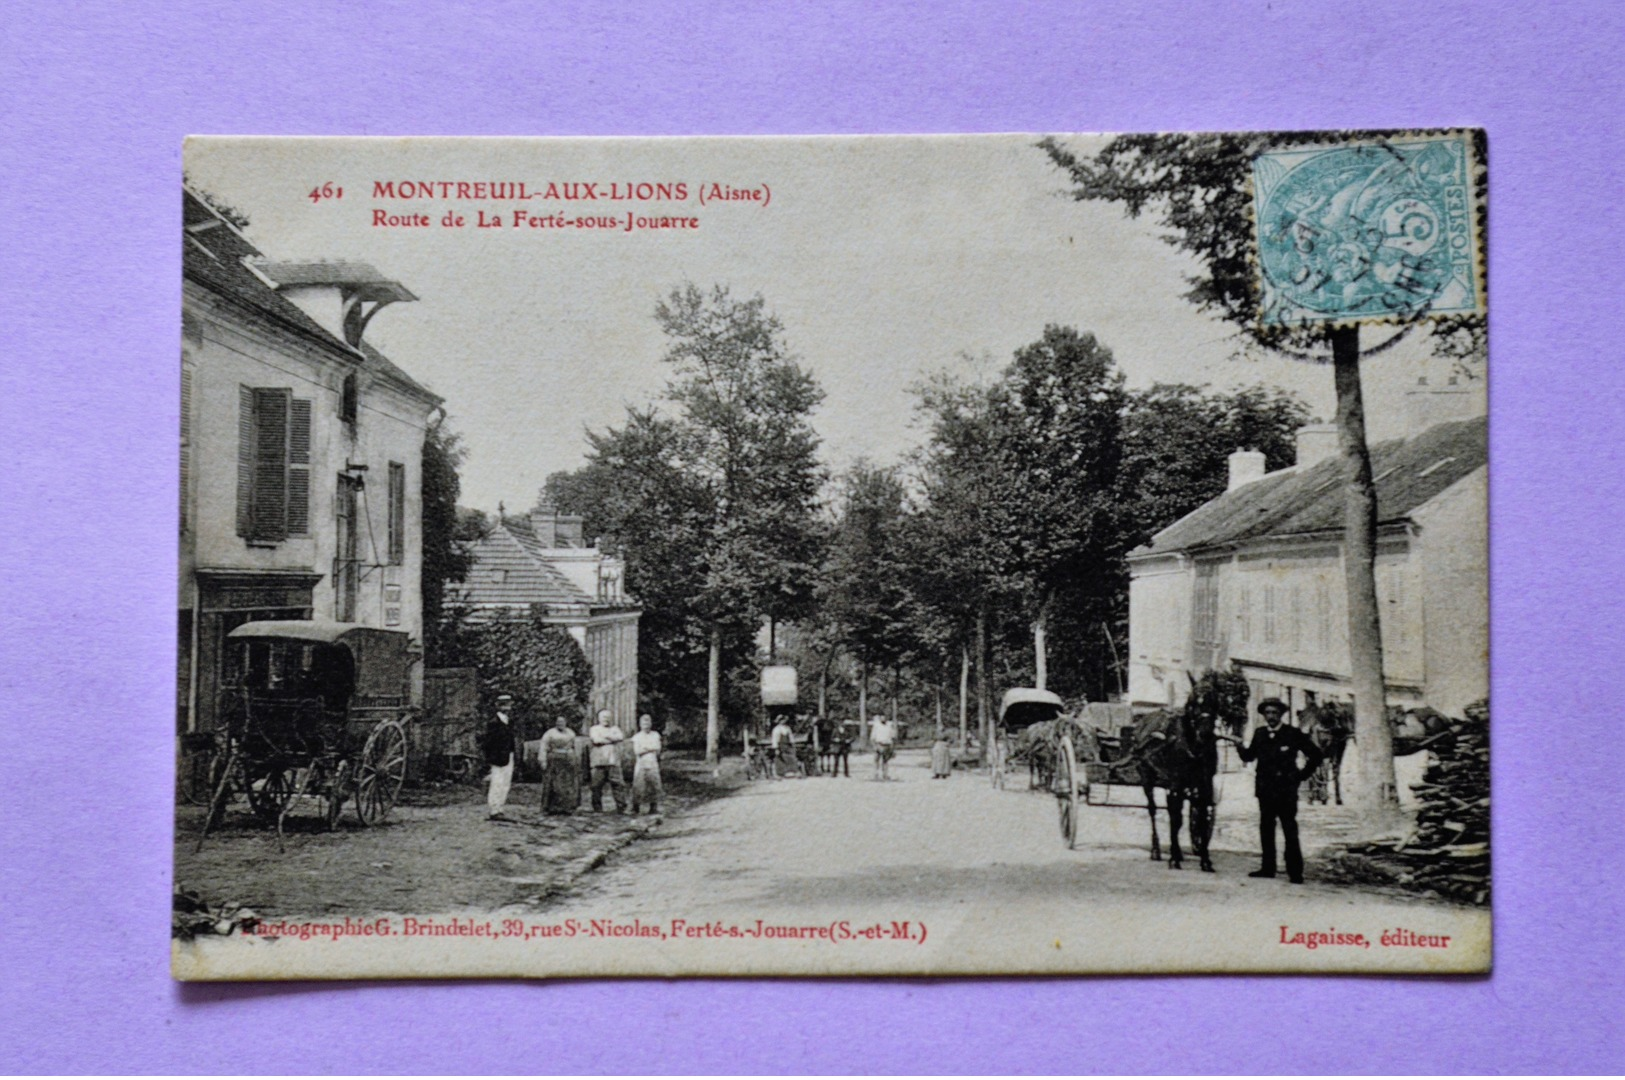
[541, 561]
[1255, 577]
[300, 454]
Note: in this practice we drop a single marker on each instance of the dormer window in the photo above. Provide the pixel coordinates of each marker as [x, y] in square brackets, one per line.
[347, 399]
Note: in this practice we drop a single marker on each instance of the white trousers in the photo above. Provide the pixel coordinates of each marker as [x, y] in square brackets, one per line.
[501, 780]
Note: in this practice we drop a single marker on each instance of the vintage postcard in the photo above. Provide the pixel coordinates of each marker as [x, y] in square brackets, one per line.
[934, 555]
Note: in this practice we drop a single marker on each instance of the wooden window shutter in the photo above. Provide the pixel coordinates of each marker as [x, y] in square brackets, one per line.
[299, 467]
[270, 502]
[186, 442]
[397, 513]
[247, 434]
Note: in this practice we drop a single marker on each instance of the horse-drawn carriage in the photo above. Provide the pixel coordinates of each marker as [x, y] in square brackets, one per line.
[1025, 709]
[1174, 750]
[317, 709]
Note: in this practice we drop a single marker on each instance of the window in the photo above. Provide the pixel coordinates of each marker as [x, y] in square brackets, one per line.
[1323, 614]
[273, 464]
[347, 399]
[1294, 624]
[397, 513]
[1244, 613]
[1269, 614]
[1205, 613]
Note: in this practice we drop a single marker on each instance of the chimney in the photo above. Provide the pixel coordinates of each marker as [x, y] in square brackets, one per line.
[568, 533]
[1427, 405]
[544, 521]
[1316, 443]
[1245, 467]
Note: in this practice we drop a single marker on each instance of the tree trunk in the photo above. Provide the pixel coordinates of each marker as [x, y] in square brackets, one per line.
[713, 698]
[1373, 740]
[984, 707]
[1041, 646]
[772, 640]
[964, 694]
[1117, 661]
[895, 676]
[823, 691]
[863, 705]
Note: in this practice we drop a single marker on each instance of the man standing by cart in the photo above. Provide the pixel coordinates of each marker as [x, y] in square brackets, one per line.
[498, 746]
[1276, 747]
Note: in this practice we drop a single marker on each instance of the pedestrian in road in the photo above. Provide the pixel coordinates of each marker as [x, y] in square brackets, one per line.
[561, 776]
[783, 749]
[1276, 747]
[884, 737]
[942, 759]
[646, 789]
[840, 750]
[498, 745]
[606, 762]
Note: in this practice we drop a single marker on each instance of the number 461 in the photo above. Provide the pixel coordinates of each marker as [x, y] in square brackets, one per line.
[326, 191]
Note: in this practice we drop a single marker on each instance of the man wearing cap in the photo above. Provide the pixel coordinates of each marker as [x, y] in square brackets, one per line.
[1276, 747]
[498, 745]
[606, 762]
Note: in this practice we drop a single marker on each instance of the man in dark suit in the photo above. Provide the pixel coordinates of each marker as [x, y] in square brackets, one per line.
[499, 746]
[1276, 747]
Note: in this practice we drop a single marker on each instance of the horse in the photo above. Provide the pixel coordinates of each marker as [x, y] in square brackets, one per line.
[1178, 751]
[1329, 726]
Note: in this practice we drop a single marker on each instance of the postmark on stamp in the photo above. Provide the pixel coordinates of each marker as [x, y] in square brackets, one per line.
[1375, 231]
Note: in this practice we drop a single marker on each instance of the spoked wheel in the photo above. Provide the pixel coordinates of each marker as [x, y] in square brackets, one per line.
[1066, 791]
[380, 772]
[270, 793]
[338, 786]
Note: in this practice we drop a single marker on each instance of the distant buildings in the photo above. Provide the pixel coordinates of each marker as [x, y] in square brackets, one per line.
[1255, 577]
[540, 560]
[300, 454]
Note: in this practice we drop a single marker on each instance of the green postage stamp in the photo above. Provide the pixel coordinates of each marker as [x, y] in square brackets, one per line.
[1387, 230]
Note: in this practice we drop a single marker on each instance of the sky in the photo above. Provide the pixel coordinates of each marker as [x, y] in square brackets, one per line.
[885, 258]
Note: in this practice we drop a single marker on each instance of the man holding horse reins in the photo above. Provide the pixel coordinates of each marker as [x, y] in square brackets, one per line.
[1276, 747]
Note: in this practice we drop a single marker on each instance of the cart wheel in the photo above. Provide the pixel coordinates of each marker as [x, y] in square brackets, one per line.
[380, 772]
[1066, 791]
[333, 797]
[270, 795]
[199, 774]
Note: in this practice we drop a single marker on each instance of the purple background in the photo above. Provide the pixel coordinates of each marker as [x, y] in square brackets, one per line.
[96, 98]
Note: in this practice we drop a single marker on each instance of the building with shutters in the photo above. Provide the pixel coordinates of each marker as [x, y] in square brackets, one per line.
[300, 455]
[1255, 577]
[541, 562]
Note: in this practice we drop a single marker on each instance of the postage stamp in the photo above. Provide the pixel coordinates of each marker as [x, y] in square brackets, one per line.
[828, 556]
[1381, 231]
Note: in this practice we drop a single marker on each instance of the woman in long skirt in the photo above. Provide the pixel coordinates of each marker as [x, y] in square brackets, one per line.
[942, 762]
[561, 777]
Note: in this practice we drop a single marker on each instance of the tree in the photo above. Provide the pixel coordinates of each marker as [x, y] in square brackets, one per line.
[715, 505]
[1056, 421]
[1200, 187]
[446, 557]
[540, 665]
[964, 524]
[637, 497]
[865, 587]
[1177, 441]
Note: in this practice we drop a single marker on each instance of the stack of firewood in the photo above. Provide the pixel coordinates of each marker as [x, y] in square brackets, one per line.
[1449, 850]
